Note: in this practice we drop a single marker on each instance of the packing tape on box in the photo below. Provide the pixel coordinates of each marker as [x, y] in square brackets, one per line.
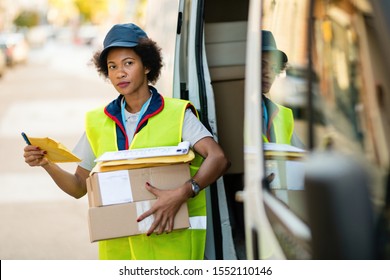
[142, 207]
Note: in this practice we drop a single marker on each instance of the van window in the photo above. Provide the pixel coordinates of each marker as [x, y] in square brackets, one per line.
[345, 113]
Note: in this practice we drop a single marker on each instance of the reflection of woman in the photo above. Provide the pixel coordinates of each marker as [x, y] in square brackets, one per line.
[278, 121]
[140, 117]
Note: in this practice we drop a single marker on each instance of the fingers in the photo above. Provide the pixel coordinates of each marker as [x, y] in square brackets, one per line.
[160, 225]
[169, 226]
[145, 215]
[152, 189]
[162, 211]
[270, 177]
[159, 222]
[34, 156]
[165, 225]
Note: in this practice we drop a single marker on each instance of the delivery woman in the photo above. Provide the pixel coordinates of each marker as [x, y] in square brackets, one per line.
[141, 117]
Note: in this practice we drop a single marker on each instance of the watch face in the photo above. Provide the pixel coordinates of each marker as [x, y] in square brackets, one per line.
[195, 187]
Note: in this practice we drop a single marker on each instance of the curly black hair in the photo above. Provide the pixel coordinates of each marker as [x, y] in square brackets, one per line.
[147, 50]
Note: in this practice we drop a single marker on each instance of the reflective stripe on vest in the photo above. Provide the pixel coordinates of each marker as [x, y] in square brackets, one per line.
[163, 129]
[198, 222]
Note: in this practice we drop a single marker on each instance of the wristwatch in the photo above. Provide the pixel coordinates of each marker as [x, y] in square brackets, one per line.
[195, 187]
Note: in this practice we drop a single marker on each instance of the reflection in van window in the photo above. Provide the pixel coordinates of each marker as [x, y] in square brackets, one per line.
[342, 84]
[277, 120]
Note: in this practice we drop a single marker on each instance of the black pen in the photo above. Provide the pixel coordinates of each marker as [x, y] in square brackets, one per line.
[26, 138]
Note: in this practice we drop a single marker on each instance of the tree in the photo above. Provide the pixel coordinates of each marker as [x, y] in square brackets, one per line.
[90, 9]
[27, 19]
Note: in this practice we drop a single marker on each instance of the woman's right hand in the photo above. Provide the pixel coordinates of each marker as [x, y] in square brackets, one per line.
[34, 156]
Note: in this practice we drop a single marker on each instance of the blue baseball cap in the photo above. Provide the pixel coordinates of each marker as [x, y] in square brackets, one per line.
[268, 44]
[122, 35]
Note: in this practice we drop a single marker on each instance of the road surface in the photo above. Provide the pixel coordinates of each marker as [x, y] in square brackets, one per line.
[46, 97]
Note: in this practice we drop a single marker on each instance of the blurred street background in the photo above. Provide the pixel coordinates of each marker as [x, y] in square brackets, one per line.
[45, 90]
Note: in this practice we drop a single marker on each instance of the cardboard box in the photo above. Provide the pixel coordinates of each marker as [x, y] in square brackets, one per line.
[123, 186]
[289, 174]
[120, 220]
[287, 163]
[117, 198]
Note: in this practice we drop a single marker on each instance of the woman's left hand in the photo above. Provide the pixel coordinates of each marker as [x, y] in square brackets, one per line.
[165, 208]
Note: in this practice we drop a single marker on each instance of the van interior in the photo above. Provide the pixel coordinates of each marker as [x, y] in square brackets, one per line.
[225, 45]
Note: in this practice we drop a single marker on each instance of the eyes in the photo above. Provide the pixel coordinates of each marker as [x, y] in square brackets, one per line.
[266, 66]
[113, 66]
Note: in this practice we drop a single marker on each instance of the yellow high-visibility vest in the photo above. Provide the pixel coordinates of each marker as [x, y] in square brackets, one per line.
[163, 128]
[280, 126]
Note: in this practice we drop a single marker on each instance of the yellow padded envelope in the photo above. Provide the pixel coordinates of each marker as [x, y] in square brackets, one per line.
[283, 151]
[56, 152]
[113, 165]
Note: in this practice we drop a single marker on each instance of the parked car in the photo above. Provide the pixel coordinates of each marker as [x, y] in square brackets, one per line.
[16, 48]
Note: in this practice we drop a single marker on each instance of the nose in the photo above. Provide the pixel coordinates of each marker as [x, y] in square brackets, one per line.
[121, 73]
[269, 69]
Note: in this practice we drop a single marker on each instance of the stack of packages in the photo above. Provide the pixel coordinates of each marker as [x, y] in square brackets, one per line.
[116, 189]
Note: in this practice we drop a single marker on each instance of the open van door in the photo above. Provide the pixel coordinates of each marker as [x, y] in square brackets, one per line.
[336, 87]
[256, 222]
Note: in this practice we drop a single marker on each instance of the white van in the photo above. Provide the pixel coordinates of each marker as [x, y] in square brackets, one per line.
[327, 199]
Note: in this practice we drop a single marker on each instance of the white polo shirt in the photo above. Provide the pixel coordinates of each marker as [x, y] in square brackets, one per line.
[193, 131]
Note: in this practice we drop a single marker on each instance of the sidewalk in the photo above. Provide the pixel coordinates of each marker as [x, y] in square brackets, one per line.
[45, 230]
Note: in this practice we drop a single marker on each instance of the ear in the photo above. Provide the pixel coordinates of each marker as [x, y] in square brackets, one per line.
[147, 70]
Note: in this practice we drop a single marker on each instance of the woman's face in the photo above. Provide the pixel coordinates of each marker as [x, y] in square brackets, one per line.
[126, 71]
[269, 70]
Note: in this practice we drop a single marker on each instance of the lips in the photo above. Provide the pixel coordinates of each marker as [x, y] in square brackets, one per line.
[266, 84]
[123, 84]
